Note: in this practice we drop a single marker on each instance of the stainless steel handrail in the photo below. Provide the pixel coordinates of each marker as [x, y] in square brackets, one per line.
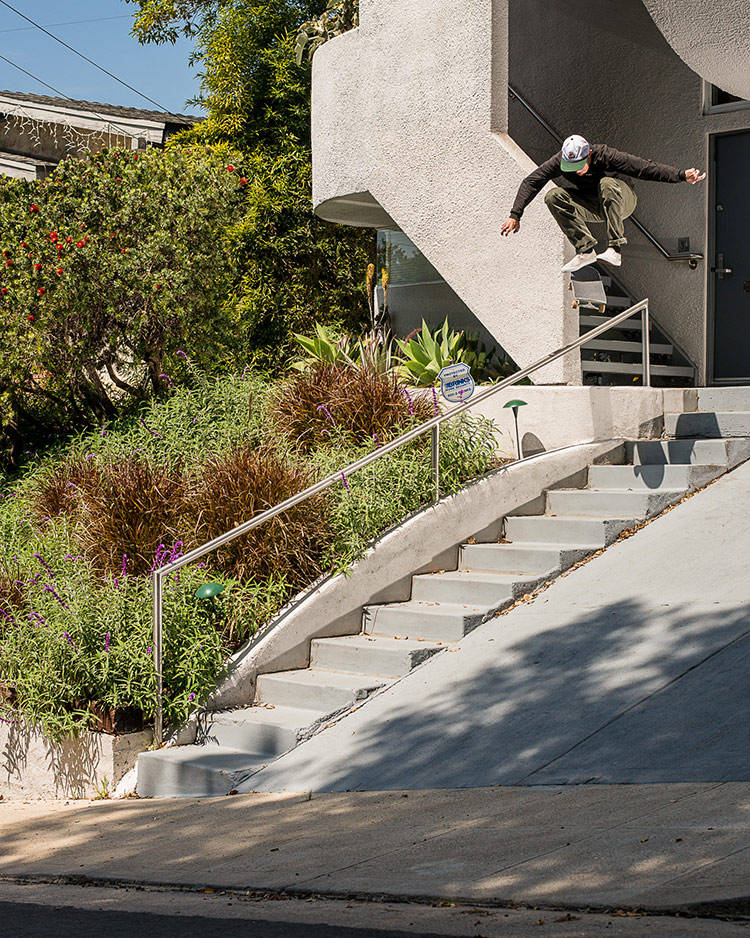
[686, 256]
[432, 425]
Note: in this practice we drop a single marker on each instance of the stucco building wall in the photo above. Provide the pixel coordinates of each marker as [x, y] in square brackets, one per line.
[711, 36]
[605, 71]
[409, 119]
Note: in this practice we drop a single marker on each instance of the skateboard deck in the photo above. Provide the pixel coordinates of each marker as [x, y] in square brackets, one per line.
[587, 287]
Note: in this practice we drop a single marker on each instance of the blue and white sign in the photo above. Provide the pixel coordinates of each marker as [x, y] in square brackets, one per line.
[456, 383]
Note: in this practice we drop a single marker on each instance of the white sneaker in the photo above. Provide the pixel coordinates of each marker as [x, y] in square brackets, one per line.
[610, 256]
[581, 260]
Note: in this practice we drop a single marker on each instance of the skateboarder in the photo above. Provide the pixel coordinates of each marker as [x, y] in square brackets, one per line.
[597, 191]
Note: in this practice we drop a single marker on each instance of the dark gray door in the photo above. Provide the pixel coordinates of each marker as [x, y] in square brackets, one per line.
[730, 258]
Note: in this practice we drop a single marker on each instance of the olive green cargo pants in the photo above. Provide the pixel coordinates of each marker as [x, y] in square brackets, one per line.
[573, 210]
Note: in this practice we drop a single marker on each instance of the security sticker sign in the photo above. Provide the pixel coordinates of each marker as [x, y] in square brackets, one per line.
[456, 383]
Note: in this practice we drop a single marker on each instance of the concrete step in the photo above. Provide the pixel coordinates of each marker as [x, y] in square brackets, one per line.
[545, 560]
[633, 324]
[438, 622]
[472, 586]
[635, 368]
[708, 425]
[652, 476]
[579, 531]
[632, 348]
[370, 654]
[260, 729]
[315, 689]
[723, 400]
[677, 452]
[619, 302]
[194, 771]
[611, 504]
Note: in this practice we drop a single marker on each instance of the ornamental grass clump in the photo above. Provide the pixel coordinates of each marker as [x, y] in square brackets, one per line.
[123, 508]
[315, 407]
[57, 490]
[233, 487]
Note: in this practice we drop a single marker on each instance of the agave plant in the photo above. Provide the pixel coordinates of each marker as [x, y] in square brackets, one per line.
[324, 348]
[425, 354]
[371, 353]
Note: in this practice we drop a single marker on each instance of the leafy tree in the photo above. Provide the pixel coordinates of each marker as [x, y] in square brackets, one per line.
[110, 266]
[294, 269]
[340, 16]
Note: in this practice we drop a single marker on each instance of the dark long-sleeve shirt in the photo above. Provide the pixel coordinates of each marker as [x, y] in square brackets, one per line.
[605, 161]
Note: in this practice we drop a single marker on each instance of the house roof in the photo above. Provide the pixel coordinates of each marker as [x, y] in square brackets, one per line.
[110, 110]
[23, 167]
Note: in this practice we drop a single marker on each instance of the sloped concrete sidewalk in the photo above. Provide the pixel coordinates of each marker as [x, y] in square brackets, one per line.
[652, 847]
[632, 668]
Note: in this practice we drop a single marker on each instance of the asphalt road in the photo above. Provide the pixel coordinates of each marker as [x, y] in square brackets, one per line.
[71, 911]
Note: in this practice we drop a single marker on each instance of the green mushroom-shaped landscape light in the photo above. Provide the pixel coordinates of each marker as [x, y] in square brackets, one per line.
[515, 405]
[209, 590]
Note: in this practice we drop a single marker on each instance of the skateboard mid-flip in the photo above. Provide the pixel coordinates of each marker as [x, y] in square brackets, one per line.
[588, 289]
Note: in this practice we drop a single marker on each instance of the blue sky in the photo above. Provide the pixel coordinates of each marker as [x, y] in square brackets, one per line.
[161, 72]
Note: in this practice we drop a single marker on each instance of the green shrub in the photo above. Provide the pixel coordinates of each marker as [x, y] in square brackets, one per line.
[112, 265]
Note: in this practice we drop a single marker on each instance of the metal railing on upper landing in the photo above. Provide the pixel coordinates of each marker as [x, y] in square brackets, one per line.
[432, 426]
[692, 259]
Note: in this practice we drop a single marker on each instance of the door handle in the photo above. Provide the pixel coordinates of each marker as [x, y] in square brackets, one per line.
[720, 270]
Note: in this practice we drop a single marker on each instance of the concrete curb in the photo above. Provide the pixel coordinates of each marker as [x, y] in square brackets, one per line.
[724, 909]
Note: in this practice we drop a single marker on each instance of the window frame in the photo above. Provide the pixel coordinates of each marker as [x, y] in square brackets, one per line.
[710, 108]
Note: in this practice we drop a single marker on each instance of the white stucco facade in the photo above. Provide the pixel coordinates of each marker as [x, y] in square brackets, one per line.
[711, 36]
[412, 127]
[410, 110]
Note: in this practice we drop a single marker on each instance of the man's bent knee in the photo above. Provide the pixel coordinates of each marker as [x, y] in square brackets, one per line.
[556, 196]
[609, 187]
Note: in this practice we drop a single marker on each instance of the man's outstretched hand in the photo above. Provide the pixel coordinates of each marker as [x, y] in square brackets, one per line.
[511, 225]
[694, 175]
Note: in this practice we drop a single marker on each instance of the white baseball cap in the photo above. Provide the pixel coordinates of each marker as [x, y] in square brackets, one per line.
[575, 152]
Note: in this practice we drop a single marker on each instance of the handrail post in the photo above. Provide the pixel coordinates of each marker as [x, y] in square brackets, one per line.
[158, 659]
[436, 460]
[646, 340]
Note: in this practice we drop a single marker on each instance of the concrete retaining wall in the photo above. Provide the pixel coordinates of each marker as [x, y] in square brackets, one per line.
[34, 766]
[559, 416]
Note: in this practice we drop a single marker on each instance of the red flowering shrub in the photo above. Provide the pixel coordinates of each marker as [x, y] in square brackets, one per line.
[146, 272]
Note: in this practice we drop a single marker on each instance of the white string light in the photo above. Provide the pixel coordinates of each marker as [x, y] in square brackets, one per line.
[74, 138]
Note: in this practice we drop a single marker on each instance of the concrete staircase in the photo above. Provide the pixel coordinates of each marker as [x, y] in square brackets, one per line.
[722, 412]
[290, 706]
[616, 356]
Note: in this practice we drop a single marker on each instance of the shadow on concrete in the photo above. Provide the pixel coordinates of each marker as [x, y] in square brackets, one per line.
[620, 693]
[22, 920]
